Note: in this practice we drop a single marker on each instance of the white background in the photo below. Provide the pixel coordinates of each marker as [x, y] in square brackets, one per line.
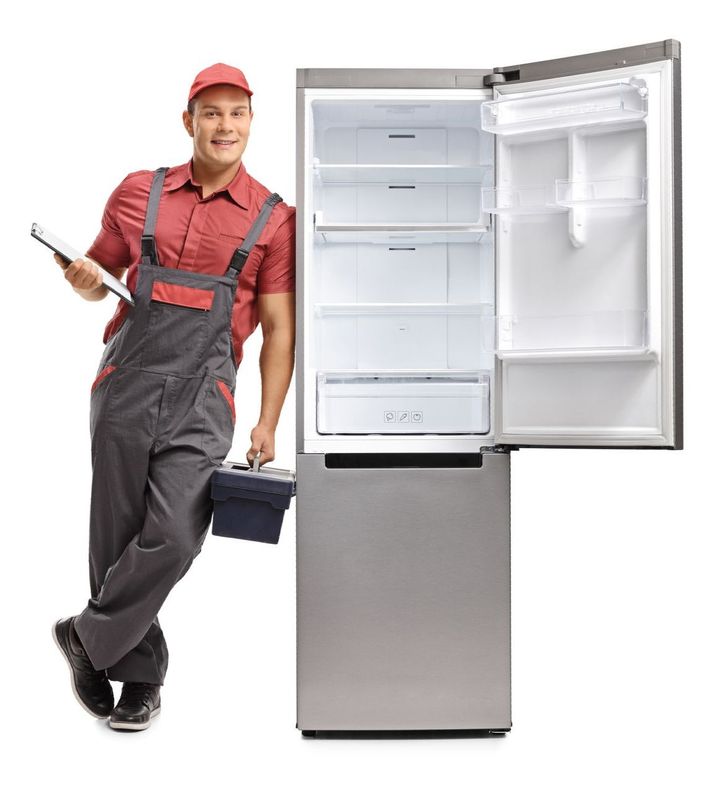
[615, 587]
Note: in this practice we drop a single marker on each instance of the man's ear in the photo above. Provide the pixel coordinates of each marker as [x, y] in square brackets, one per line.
[187, 122]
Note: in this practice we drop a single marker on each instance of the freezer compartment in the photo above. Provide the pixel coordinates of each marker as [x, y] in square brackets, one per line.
[558, 108]
[403, 606]
[404, 336]
[402, 404]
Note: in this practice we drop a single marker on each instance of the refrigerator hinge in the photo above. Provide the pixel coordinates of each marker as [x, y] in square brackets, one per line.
[495, 448]
[499, 76]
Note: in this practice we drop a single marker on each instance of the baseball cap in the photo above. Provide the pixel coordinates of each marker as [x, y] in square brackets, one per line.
[219, 74]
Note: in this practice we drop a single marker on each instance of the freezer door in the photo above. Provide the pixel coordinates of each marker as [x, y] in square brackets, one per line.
[587, 218]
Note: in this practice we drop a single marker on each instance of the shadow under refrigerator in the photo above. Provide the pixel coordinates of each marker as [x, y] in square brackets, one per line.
[487, 259]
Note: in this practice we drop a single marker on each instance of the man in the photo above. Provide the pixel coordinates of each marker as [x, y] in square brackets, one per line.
[209, 253]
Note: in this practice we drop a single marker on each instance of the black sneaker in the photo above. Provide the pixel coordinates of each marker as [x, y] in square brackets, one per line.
[138, 703]
[91, 686]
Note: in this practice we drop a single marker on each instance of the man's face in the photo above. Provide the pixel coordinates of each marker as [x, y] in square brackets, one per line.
[219, 126]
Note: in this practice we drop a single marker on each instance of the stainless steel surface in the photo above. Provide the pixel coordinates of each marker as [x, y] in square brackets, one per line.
[403, 608]
[591, 61]
[300, 268]
[391, 78]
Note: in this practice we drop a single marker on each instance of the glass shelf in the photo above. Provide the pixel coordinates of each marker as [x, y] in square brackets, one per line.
[403, 173]
[396, 308]
[615, 102]
[364, 236]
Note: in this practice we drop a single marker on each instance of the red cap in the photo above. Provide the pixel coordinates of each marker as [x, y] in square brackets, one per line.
[219, 74]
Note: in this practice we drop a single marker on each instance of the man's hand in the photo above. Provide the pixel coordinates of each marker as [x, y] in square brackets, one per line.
[262, 438]
[83, 274]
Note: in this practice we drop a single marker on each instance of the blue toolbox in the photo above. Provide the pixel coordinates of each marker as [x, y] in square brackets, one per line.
[249, 502]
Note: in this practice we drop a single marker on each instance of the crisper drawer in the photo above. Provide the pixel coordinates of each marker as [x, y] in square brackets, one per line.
[392, 404]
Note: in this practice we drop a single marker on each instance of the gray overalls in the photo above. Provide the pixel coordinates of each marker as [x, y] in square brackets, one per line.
[162, 418]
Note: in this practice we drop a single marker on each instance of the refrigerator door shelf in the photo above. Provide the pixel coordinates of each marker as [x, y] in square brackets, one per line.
[402, 174]
[604, 397]
[519, 200]
[451, 403]
[601, 193]
[598, 330]
[560, 108]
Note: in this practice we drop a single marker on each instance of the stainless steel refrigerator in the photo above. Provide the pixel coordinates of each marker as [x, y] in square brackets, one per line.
[487, 259]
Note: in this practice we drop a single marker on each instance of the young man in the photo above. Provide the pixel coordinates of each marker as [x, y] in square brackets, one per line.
[209, 253]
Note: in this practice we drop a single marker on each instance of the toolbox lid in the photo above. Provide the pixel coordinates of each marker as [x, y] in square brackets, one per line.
[241, 477]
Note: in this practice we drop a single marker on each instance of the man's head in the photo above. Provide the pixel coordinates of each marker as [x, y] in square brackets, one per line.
[218, 116]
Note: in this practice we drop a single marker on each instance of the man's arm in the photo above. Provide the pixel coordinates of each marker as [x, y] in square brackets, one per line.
[276, 312]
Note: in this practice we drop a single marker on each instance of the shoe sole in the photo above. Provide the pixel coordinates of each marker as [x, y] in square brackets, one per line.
[130, 725]
[72, 676]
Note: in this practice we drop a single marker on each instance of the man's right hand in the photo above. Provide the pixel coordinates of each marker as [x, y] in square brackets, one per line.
[84, 275]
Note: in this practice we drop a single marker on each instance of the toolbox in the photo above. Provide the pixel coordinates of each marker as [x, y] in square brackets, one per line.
[249, 502]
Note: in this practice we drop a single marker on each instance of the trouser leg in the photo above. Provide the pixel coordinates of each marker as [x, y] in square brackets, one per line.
[121, 430]
[177, 516]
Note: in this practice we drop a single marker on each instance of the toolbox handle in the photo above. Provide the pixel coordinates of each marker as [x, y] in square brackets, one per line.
[256, 462]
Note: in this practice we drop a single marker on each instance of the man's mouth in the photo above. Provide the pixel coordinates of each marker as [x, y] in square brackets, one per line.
[223, 143]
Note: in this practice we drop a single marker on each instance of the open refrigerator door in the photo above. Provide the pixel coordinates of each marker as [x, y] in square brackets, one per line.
[586, 208]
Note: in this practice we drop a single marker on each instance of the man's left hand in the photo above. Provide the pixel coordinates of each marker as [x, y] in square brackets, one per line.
[262, 438]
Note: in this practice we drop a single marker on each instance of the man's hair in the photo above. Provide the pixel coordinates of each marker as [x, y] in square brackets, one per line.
[191, 105]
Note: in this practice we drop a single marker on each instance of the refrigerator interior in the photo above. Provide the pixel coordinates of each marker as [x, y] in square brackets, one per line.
[490, 267]
[401, 288]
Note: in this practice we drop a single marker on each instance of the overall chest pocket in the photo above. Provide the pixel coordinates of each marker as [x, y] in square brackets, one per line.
[177, 327]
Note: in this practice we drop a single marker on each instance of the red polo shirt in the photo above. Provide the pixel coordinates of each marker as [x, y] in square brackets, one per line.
[200, 234]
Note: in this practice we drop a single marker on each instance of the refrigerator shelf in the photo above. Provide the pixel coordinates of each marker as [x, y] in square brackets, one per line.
[398, 308]
[402, 173]
[362, 235]
[561, 108]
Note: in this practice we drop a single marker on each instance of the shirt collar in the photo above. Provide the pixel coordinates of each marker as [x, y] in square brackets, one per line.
[238, 188]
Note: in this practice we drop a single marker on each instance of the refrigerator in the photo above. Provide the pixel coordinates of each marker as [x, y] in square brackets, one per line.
[488, 259]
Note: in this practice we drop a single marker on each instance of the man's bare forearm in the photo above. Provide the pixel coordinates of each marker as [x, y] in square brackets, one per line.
[277, 358]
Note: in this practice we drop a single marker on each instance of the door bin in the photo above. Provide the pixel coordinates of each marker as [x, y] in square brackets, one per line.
[249, 502]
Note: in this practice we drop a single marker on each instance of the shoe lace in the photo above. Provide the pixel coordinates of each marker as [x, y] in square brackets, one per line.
[133, 693]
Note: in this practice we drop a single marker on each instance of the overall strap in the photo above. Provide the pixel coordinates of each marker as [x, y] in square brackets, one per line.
[241, 253]
[148, 246]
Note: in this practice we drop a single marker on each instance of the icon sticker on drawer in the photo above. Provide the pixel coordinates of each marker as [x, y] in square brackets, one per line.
[416, 416]
[389, 416]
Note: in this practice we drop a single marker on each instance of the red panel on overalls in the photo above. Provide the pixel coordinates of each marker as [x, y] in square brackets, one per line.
[161, 421]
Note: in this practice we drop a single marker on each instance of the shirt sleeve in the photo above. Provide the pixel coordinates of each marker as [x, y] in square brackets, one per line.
[276, 273]
[110, 248]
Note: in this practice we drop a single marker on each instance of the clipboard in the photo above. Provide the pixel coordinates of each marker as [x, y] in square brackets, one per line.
[67, 253]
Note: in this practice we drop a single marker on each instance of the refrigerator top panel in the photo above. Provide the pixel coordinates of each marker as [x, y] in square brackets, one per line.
[391, 78]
